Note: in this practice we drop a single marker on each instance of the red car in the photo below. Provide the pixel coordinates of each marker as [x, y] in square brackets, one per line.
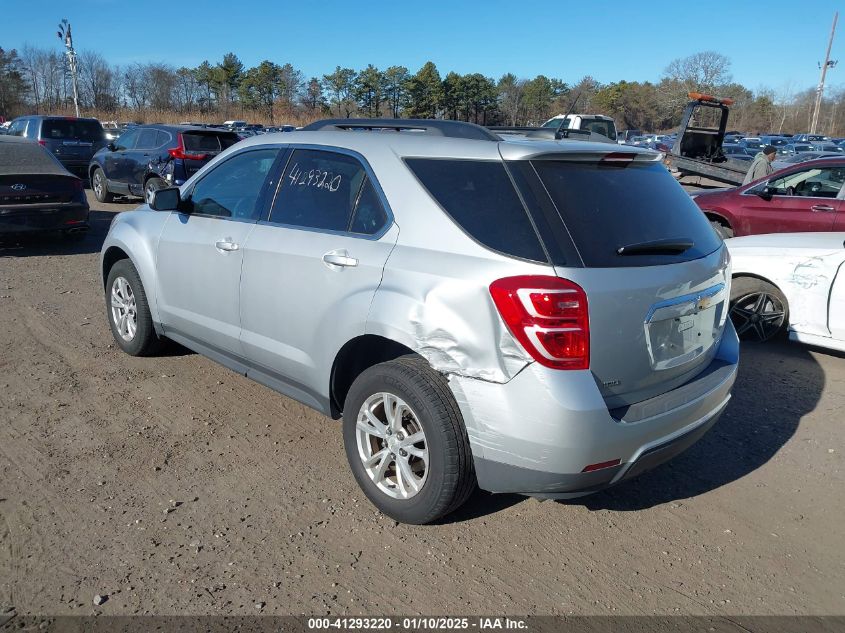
[803, 197]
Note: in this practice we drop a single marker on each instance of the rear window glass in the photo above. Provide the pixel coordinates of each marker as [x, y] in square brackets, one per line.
[199, 142]
[479, 197]
[72, 129]
[608, 206]
[28, 157]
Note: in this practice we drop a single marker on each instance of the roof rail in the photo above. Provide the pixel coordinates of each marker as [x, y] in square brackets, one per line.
[434, 127]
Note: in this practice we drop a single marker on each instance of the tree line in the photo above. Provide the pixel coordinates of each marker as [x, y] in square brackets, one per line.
[37, 80]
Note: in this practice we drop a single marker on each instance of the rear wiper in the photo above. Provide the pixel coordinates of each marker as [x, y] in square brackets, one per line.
[657, 247]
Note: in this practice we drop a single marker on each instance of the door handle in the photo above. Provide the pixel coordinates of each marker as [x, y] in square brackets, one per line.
[822, 207]
[226, 246]
[339, 258]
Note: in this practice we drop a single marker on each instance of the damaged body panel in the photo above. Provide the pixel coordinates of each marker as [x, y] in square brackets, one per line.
[809, 269]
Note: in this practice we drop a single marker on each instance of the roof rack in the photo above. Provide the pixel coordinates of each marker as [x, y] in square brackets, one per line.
[434, 127]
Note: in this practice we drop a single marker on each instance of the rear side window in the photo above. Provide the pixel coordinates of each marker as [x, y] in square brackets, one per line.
[606, 206]
[200, 142]
[147, 139]
[72, 129]
[479, 197]
[606, 128]
[319, 190]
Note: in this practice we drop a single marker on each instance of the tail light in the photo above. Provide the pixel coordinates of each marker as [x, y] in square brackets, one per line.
[548, 316]
[42, 143]
[179, 151]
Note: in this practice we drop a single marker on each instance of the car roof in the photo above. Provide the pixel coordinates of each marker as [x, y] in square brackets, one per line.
[57, 117]
[417, 144]
[181, 128]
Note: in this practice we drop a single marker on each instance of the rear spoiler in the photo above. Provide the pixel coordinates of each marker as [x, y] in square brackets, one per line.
[549, 133]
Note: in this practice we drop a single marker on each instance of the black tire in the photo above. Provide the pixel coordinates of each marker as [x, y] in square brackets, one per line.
[100, 186]
[152, 184]
[450, 477]
[145, 342]
[751, 296]
[722, 231]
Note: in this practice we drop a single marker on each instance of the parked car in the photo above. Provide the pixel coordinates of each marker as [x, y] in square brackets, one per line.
[775, 140]
[809, 138]
[828, 147]
[37, 193]
[150, 157]
[460, 349]
[625, 136]
[792, 281]
[72, 141]
[598, 123]
[802, 197]
[801, 156]
[752, 144]
[737, 152]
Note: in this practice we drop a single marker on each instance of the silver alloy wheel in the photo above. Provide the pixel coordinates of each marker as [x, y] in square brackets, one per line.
[123, 310]
[760, 314]
[392, 445]
[98, 184]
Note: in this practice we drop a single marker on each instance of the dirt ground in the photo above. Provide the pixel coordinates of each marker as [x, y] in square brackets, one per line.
[173, 486]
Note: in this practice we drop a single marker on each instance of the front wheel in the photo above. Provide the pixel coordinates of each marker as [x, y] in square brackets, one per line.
[759, 310]
[405, 441]
[129, 313]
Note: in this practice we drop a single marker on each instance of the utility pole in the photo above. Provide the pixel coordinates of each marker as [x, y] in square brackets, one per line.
[64, 34]
[828, 63]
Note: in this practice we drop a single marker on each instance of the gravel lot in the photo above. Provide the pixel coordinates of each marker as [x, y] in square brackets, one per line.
[173, 486]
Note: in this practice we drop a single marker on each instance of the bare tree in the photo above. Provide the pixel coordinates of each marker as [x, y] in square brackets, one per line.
[98, 82]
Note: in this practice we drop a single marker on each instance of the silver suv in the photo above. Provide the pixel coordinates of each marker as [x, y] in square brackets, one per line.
[536, 317]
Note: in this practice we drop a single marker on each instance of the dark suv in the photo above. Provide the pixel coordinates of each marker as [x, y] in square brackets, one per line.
[71, 140]
[149, 157]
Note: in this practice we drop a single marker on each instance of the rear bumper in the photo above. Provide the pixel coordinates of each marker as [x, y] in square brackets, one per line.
[59, 217]
[536, 434]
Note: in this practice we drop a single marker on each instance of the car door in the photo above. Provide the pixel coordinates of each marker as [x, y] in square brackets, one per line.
[200, 252]
[139, 158]
[805, 199]
[116, 162]
[311, 270]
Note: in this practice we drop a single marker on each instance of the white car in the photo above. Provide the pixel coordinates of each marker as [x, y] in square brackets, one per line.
[793, 280]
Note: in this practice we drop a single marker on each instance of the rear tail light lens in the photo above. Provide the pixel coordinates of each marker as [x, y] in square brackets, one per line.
[42, 143]
[179, 151]
[548, 316]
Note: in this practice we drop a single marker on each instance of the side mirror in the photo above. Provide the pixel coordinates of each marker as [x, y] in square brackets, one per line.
[766, 192]
[166, 199]
[112, 147]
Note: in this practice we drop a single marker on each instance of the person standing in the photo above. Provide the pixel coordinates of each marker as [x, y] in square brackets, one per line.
[761, 166]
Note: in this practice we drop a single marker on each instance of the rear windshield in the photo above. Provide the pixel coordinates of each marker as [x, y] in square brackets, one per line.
[481, 199]
[608, 206]
[204, 142]
[72, 129]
